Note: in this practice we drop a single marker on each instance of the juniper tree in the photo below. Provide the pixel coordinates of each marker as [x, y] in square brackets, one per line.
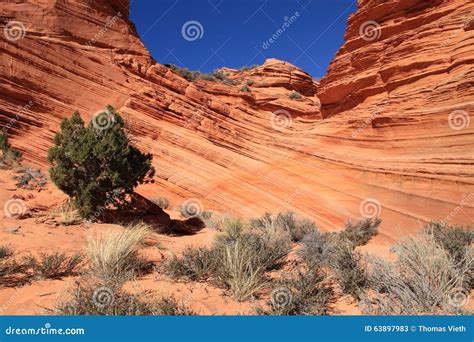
[96, 165]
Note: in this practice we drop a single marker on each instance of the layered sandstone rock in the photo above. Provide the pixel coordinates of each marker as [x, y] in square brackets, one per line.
[377, 132]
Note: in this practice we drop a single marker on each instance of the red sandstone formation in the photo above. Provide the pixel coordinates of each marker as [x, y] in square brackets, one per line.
[386, 131]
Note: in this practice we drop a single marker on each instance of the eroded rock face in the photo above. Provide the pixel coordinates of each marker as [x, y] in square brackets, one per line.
[375, 134]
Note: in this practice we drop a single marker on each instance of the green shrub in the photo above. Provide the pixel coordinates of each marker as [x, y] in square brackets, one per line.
[53, 266]
[306, 293]
[9, 154]
[361, 232]
[96, 165]
[294, 95]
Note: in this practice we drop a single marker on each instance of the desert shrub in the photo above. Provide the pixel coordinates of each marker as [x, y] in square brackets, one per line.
[9, 154]
[315, 248]
[96, 165]
[29, 178]
[95, 298]
[361, 232]
[113, 256]
[162, 202]
[294, 95]
[286, 222]
[424, 280]
[5, 252]
[54, 265]
[216, 221]
[250, 82]
[349, 268]
[454, 239]
[194, 264]
[306, 293]
[238, 260]
[245, 88]
[12, 273]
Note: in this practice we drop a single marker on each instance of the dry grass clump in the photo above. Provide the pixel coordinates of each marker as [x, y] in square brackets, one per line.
[426, 279]
[12, 273]
[286, 222]
[237, 261]
[94, 298]
[306, 293]
[113, 255]
[55, 265]
[5, 252]
[67, 214]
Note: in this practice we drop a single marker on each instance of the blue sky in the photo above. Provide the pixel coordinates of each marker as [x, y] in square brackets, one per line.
[208, 34]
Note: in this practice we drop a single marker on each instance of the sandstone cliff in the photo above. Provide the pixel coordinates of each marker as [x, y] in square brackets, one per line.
[386, 131]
